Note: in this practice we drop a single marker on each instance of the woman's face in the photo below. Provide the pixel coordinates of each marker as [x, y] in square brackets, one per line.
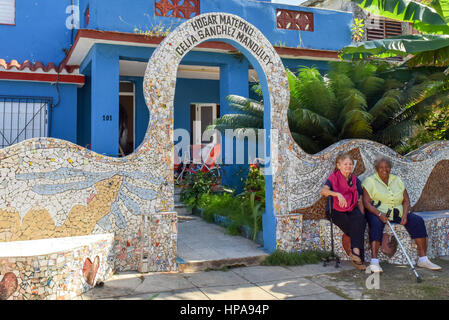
[345, 166]
[383, 169]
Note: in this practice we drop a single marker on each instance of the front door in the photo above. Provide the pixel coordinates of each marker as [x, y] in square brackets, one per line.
[203, 116]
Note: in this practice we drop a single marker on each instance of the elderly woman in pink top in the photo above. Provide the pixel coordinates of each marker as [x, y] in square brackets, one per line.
[347, 207]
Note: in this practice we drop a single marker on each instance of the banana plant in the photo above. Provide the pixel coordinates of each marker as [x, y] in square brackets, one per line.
[429, 48]
[257, 209]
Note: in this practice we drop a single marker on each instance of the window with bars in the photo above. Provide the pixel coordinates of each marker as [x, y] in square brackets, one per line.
[7, 12]
[22, 118]
[381, 28]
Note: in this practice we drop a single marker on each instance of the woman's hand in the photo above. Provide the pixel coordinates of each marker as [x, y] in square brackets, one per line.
[383, 217]
[341, 200]
[404, 219]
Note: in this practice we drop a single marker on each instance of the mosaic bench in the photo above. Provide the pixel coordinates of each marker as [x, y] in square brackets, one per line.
[54, 269]
[437, 225]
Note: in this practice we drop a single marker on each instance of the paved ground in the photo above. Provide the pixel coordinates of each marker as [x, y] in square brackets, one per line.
[202, 241]
[199, 241]
[309, 282]
[245, 283]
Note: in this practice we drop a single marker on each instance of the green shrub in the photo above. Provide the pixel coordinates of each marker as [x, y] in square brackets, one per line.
[208, 216]
[195, 186]
[221, 204]
[233, 229]
[282, 258]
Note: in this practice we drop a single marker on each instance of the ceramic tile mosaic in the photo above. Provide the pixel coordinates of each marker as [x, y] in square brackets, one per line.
[52, 188]
[291, 225]
[57, 274]
[438, 241]
[306, 174]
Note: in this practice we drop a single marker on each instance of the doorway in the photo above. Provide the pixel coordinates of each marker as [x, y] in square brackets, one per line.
[202, 115]
[126, 118]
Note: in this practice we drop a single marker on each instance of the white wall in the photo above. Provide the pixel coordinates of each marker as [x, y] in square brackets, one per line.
[290, 2]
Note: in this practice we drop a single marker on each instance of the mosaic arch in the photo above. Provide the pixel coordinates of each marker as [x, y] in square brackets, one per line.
[293, 185]
[159, 87]
[51, 188]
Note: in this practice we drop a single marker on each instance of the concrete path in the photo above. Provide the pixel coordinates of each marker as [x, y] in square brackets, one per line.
[205, 245]
[245, 283]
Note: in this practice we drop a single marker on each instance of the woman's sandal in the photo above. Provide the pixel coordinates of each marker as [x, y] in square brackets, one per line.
[357, 261]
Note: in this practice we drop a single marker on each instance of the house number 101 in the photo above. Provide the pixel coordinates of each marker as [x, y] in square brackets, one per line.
[107, 117]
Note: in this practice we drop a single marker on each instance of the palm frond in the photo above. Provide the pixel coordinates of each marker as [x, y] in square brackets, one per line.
[304, 119]
[237, 121]
[246, 105]
[384, 109]
[305, 142]
[356, 125]
[394, 135]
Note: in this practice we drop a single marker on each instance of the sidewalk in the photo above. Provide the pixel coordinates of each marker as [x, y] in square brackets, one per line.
[203, 245]
[245, 283]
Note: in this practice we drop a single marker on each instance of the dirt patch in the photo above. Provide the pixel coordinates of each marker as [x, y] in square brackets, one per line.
[397, 282]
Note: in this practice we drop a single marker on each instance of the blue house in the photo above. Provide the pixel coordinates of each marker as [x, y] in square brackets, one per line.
[74, 69]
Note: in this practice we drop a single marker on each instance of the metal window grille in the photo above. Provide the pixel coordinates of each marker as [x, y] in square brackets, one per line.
[23, 118]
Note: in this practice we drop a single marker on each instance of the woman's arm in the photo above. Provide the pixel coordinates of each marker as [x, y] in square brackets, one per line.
[367, 203]
[326, 192]
[360, 205]
[360, 201]
[405, 207]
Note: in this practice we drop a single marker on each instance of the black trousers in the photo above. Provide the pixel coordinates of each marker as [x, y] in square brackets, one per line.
[353, 224]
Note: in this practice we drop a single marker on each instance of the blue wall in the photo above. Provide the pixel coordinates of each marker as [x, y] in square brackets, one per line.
[193, 91]
[63, 116]
[331, 28]
[40, 32]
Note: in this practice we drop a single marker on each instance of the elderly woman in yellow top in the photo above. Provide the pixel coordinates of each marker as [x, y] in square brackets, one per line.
[383, 191]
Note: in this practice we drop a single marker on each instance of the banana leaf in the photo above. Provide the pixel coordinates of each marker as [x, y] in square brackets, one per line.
[429, 49]
[424, 18]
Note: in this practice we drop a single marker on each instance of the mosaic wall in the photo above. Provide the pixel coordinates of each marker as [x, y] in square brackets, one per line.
[65, 190]
[52, 188]
[315, 234]
[437, 226]
[424, 172]
[62, 275]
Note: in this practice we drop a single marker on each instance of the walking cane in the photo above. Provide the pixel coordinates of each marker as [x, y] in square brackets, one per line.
[333, 255]
[418, 278]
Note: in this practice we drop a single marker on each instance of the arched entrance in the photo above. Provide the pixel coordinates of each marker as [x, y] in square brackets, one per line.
[159, 89]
